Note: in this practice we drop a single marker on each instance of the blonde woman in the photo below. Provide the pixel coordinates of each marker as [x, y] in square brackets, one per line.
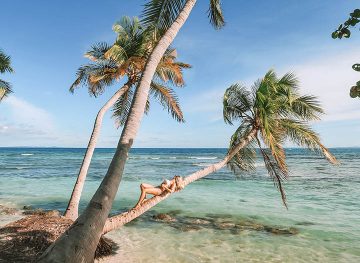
[166, 186]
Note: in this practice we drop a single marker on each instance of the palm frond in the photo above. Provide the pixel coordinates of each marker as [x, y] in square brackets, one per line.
[5, 63]
[161, 14]
[122, 107]
[5, 89]
[241, 132]
[168, 99]
[215, 14]
[96, 76]
[268, 82]
[273, 137]
[127, 27]
[171, 71]
[275, 173]
[237, 103]
[147, 106]
[97, 51]
[244, 159]
[307, 107]
[289, 80]
[301, 134]
[132, 40]
[116, 53]
[170, 53]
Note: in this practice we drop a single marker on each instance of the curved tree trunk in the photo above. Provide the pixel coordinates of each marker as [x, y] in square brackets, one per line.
[72, 209]
[79, 242]
[118, 221]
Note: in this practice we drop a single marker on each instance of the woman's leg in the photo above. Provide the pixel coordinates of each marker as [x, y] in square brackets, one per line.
[143, 193]
[146, 185]
[147, 189]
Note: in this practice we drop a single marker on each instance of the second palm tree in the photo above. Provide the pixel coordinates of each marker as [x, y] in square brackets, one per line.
[127, 57]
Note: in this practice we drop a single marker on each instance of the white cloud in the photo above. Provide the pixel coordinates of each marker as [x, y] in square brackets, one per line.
[25, 123]
[330, 78]
[208, 102]
[25, 113]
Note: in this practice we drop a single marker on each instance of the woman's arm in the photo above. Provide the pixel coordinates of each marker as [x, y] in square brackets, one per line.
[164, 187]
[173, 186]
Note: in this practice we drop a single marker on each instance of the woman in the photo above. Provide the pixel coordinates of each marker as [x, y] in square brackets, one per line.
[176, 184]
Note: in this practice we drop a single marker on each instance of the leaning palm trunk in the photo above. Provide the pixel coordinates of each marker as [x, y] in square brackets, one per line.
[72, 210]
[79, 242]
[118, 221]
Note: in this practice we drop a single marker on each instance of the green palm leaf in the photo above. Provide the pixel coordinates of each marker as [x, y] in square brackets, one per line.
[301, 134]
[5, 63]
[161, 14]
[275, 172]
[244, 159]
[273, 138]
[168, 99]
[96, 76]
[215, 14]
[306, 107]
[127, 28]
[289, 82]
[121, 107]
[5, 89]
[97, 51]
[170, 70]
[237, 102]
[5, 66]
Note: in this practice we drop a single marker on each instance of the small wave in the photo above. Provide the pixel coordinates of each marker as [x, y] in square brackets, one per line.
[13, 168]
[27, 154]
[203, 158]
[172, 157]
[154, 158]
[201, 164]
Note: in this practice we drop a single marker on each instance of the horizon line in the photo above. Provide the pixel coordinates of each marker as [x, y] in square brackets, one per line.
[63, 147]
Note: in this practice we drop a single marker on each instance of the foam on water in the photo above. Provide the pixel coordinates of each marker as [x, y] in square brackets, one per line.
[202, 158]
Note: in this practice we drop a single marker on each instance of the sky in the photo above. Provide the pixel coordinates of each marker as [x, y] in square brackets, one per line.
[47, 40]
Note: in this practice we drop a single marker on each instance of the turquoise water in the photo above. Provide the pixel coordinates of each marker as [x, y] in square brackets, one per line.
[323, 203]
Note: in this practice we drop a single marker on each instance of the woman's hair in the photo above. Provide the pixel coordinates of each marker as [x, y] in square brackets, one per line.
[179, 181]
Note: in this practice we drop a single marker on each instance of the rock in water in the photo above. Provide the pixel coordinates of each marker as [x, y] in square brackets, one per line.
[164, 218]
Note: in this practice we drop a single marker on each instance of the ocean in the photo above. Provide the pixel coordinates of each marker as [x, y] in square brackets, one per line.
[221, 218]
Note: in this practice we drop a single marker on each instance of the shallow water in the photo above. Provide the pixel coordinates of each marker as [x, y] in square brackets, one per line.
[323, 203]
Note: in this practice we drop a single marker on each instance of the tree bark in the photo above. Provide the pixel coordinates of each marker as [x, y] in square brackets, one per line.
[118, 221]
[72, 209]
[79, 242]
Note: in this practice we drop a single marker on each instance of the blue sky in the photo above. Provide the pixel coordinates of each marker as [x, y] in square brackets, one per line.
[47, 40]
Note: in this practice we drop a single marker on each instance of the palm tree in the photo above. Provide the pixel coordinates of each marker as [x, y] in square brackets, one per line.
[5, 66]
[127, 57]
[79, 242]
[271, 113]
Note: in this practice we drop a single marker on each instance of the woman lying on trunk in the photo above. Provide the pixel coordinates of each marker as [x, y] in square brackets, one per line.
[175, 184]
